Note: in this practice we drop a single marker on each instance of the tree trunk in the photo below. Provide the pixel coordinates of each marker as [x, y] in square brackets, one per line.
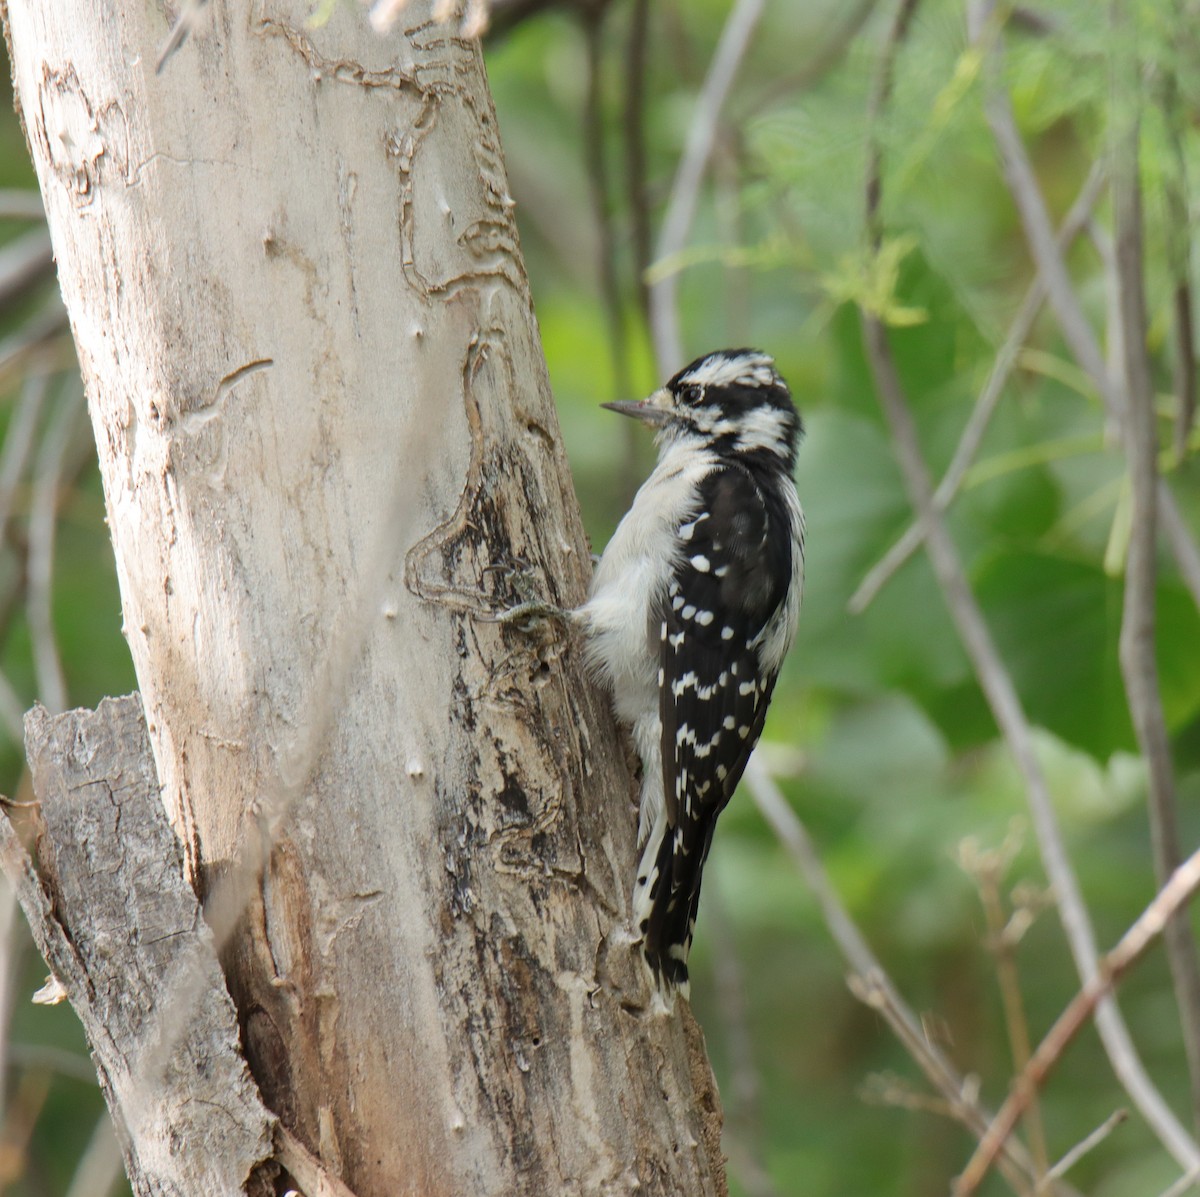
[328, 445]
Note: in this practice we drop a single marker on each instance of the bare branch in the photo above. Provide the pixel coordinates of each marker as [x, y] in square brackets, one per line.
[1039, 233]
[827, 56]
[1169, 901]
[743, 1113]
[185, 23]
[685, 189]
[53, 1059]
[985, 406]
[1178, 233]
[18, 444]
[1089, 1143]
[43, 517]
[99, 1167]
[21, 203]
[606, 247]
[998, 688]
[633, 123]
[987, 867]
[106, 848]
[1139, 668]
[1006, 708]
[10, 963]
[868, 981]
[24, 262]
[41, 327]
[1182, 1185]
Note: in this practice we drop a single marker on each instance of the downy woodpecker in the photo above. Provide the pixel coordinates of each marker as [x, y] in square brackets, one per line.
[692, 609]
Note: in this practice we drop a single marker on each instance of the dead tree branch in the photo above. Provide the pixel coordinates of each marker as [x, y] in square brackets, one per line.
[190, 1118]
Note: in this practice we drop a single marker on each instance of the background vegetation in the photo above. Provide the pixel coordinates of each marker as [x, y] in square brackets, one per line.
[880, 733]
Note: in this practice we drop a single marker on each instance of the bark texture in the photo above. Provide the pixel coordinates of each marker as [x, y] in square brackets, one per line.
[189, 1117]
[328, 445]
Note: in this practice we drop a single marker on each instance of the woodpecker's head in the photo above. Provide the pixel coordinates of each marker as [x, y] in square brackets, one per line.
[733, 401]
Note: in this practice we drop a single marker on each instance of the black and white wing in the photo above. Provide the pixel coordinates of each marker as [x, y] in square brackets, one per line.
[728, 586]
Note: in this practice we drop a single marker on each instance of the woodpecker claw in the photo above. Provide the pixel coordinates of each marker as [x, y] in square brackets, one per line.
[529, 615]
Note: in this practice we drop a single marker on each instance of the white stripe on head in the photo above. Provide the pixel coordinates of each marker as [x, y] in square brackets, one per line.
[745, 369]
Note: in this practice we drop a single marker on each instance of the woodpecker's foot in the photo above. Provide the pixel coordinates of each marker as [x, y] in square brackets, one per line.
[531, 615]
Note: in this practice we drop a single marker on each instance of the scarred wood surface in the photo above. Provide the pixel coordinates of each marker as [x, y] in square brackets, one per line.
[115, 918]
[323, 418]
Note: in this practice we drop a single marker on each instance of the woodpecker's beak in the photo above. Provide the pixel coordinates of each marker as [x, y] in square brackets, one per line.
[655, 411]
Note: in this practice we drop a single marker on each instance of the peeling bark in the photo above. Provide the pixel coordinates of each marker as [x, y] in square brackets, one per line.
[328, 445]
[116, 920]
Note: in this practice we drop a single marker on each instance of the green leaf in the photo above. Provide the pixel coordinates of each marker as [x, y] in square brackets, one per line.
[1057, 623]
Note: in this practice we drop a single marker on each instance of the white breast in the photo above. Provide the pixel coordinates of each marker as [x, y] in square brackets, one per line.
[631, 580]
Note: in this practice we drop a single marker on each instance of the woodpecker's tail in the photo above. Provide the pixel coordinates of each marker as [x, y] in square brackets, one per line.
[665, 899]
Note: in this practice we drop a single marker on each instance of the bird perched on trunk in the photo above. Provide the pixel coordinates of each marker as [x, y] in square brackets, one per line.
[693, 607]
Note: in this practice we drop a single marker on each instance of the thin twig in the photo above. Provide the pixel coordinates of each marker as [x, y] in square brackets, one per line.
[1114, 345]
[18, 440]
[881, 93]
[33, 333]
[1185, 364]
[868, 980]
[987, 868]
[184, 25]
[827, 56]
[73, 1065]
[1039, 233]
[1139, 667]
[24, 262]
[1088, 1143]
[18, 443]
[1179, 245]
[1171, 899]
[728, 173]
[21, 203]
[997, 685]
[1001, 694]
[1183, 1185]
[985, 406]
[22, 1114]
[52, 686]
[742, 1101]
[100, 1166]
[633, 122]
[606, 249]
[685, 189]
[10, 962]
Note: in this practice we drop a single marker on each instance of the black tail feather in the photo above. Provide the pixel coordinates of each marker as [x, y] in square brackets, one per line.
[665, 904]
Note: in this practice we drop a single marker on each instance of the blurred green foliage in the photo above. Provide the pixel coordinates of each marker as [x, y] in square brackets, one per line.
[892, 758]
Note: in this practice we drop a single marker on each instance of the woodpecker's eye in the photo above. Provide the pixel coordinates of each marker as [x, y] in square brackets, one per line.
[691, 394]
